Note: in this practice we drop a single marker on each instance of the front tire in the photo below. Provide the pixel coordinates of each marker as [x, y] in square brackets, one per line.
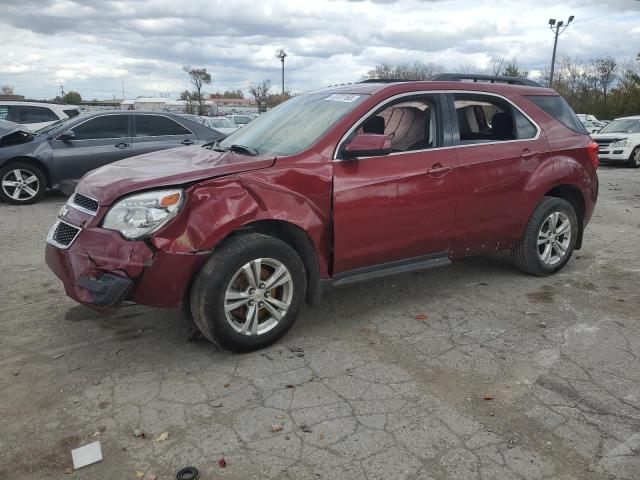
[549, 238]
[634, 158]
[248, 293]
[21, 183]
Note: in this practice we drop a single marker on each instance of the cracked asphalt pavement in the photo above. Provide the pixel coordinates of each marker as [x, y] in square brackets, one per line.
[508, 376]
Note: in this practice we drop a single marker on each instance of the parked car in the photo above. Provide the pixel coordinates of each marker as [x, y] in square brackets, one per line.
[240, 120]
[220, 124]
[332, 187]
[32, 161]
[619, 141]
[591, 127]
[34, 116]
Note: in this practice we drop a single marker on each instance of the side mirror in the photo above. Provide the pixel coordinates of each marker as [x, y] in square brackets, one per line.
[67, 135]
[368, 145]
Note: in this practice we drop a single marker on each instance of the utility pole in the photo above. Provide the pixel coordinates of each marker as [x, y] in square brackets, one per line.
[557, 29]
[123, 89]
[61, 91]
[281, 54]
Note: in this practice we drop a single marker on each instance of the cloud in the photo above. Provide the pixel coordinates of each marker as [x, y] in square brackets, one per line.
[96, 46]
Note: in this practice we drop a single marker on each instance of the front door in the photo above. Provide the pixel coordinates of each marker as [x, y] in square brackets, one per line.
[154, 132]
[98, 141]
[400, 205]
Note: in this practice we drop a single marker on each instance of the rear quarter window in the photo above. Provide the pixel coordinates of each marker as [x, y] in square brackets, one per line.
[558, 108]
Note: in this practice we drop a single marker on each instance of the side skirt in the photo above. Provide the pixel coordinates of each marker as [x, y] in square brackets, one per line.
[363, 274]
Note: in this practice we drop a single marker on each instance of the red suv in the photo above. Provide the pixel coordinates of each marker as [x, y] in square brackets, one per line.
[332, 187]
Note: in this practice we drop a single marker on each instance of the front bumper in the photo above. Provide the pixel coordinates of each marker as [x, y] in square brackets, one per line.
[615, 153]
[100, 269]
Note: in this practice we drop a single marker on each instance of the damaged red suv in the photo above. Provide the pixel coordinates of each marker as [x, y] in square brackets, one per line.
[332, 187]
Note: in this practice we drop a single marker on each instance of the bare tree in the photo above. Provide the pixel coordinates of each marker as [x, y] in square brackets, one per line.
[191, 99]
[199, 78]
[606, 69]
[404, 71]
[261, 93]
[7, 90]
[495, 65]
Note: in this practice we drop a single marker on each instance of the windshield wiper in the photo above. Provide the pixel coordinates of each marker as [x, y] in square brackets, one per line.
[243, 150]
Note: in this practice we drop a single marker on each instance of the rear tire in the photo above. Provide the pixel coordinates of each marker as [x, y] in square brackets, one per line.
[22, 183]
[248, 293]
[549, 238]
[634, 158]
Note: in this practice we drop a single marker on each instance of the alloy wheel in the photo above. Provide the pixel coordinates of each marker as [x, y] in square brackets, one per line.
[258, 296]
[20, 184]
[554, 238]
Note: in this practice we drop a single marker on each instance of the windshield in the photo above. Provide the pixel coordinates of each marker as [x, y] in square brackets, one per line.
[295, 125]
[53, 126]
[222, 123]
[241, 119]
[622, 126]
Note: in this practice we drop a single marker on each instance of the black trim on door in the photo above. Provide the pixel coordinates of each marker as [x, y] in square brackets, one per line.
[362, 274]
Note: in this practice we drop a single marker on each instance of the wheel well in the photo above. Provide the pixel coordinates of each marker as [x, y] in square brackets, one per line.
[34, 162]
[573, 195]
[298, 239]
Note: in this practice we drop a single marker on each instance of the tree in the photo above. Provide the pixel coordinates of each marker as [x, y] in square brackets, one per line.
[233, 94]
[277, 98]
[512, 69]
[191, 99]
[495, 65]
[404, 71]
[199, 78]
[261, 94]
[7, 90]
[72, 98]
[606, 69]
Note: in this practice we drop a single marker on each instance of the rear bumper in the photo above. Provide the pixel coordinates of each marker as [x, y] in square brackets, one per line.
[101, 269]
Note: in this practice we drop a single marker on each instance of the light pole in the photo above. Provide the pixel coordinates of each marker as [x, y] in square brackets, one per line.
[557, 28]
[281, 54]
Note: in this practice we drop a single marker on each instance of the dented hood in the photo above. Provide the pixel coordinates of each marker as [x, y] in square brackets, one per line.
[176, 166]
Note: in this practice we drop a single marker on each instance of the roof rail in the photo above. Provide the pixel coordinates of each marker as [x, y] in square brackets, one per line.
[390, 80]
[460, 77]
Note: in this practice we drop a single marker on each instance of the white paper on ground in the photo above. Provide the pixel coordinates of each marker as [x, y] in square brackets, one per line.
[86, 455]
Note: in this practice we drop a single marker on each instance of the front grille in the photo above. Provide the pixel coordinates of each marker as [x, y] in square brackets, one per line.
[87, 204]
[62, 234]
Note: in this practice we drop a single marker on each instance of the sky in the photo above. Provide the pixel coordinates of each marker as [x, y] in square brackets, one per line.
[97, 47]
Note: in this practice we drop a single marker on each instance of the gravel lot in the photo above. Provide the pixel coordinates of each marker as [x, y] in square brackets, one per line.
[509, 376]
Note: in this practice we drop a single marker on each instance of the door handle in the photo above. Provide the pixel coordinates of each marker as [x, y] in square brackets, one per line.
[438, 170]
[527, 154]
[122, 145]
[187, 142]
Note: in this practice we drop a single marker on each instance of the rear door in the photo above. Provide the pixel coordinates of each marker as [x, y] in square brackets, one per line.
[157, 132]
[498, 149]
[98, 141]
[401, 205]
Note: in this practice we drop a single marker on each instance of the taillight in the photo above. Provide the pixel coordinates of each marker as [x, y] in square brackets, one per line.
[593, 154]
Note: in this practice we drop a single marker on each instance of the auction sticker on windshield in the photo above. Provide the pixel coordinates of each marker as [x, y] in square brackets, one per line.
[342, 97]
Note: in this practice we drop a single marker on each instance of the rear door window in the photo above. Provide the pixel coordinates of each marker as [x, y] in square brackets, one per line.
[107, 126]
[4, 112]
[558, 108]
[158, 126]
[33, 114]
[71, 113]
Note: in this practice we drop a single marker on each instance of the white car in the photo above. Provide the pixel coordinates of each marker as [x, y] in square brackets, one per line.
[620, 141]
[240, 120]
[221, 124]
[34, 116]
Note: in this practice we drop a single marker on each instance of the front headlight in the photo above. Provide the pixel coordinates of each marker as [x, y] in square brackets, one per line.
[625, 142]
[144, 213]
